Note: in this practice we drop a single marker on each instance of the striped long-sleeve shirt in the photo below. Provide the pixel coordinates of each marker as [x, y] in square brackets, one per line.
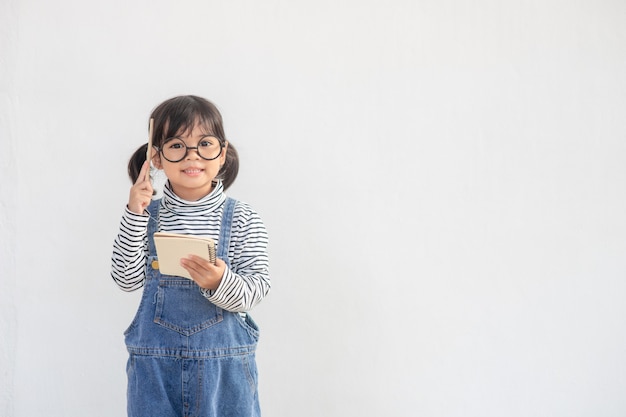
[243, 285]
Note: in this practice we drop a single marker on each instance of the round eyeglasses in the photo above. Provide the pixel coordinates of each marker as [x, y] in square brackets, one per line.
[175, 149]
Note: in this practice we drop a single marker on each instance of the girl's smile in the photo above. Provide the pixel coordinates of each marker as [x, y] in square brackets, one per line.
[193, 172]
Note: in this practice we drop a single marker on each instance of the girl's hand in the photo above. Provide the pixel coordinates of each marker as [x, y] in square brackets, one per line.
[203, 272]
[141, 191]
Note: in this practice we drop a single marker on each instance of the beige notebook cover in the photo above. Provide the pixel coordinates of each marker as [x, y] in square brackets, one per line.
[171, 247]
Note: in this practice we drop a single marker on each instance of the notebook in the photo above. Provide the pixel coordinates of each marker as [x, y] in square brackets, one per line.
[171, 247]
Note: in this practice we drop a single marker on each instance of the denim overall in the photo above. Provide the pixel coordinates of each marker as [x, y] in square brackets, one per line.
[188, 357]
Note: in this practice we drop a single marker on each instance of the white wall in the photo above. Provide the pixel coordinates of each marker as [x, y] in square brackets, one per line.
[443, 182]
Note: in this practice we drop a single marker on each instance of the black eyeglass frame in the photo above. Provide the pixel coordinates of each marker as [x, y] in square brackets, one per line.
[187, 148]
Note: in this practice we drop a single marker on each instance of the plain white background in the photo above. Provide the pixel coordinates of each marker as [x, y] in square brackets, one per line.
[443, 183]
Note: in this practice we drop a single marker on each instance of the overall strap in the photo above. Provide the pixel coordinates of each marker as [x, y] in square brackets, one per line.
[153, 224]
[227, 222]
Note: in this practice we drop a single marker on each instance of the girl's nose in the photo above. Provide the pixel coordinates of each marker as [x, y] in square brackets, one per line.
[192, 152]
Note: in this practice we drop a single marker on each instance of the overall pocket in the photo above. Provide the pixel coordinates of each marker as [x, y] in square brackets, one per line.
[143, 301]
[181, 307]
[249, 325]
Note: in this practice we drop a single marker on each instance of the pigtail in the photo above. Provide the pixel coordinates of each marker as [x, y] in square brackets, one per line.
[136, 162]
[230, 169]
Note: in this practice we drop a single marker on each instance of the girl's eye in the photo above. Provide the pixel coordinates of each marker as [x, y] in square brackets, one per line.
[176, 145]
[204, 144]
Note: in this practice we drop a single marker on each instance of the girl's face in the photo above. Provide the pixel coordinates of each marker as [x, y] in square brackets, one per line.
[192, 177]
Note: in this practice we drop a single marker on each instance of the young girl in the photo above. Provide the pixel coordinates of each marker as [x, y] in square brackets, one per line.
[191, 343]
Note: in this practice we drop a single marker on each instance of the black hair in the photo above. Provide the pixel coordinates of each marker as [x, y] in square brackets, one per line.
[181, 114]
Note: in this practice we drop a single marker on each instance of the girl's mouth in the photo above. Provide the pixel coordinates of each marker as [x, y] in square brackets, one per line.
[193, 171]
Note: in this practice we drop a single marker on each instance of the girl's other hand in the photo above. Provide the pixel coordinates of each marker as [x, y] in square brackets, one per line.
[141, 191]
[203, 272]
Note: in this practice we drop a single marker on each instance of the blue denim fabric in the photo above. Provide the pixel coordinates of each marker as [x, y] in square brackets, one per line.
[189, 357]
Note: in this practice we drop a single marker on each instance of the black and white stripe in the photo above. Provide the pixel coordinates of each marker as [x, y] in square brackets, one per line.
[247, 280]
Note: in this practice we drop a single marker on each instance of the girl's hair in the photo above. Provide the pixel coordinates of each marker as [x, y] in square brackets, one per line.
[181, 114]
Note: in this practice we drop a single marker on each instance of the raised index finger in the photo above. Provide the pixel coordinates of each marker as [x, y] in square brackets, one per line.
[144, 174]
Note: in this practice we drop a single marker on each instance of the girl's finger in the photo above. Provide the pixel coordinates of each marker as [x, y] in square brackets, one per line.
[201, 262]
[191, 264]
[192, 267]
[143, 174]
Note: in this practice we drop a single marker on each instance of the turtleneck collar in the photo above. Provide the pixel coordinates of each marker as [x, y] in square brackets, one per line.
[205, 205]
